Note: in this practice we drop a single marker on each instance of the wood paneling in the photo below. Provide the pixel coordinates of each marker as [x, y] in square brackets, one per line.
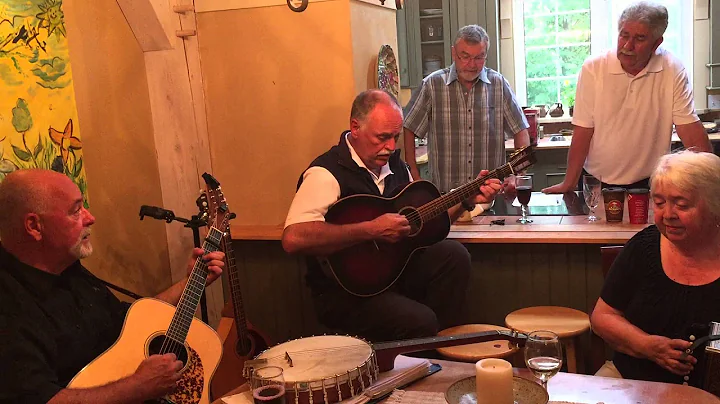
[505, 277]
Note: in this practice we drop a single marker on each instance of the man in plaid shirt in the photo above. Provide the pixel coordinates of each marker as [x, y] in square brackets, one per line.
[465, 111]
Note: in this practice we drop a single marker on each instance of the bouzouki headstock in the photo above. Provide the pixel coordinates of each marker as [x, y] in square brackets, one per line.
[522, 159]
[216, 207]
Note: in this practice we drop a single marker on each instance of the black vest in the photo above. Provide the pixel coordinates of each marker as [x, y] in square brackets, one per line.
[353, 180]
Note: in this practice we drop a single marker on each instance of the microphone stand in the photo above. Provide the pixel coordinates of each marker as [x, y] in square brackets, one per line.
[194, 223]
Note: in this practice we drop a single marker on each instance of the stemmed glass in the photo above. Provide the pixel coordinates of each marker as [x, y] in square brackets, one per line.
[592, 191]
[268, 385]
[523, 186]
[543, 355]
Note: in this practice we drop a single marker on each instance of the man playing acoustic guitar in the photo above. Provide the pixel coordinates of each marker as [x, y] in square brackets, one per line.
[55, 316]
[430, 293]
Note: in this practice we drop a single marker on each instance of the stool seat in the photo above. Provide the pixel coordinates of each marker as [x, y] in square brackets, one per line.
[481, 350]
[567, 323]
[563, 321]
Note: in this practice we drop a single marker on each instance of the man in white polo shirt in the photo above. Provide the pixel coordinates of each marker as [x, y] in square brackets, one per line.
[626, 103]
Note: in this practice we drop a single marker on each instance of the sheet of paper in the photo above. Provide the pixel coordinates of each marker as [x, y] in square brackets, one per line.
[539, 199]
[416, 397]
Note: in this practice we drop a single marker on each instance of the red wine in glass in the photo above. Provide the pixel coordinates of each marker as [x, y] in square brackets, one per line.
[270, 394]
[523, 194]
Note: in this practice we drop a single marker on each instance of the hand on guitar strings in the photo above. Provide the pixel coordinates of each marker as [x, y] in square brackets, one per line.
[390, 227]
[158, 375]
[214, 260]
[508, 185]
[670, 354]
[488, 190]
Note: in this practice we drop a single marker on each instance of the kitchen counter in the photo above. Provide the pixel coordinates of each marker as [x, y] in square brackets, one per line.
[547, 144]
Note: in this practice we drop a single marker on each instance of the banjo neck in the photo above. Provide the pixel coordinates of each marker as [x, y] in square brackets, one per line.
[387, 351]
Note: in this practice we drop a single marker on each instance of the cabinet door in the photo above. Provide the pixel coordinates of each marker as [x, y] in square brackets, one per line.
[484, 13]
[402, 50]
[424, 31]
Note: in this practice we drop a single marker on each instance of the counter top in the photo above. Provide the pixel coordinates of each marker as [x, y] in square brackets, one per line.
[546, 144]
[545, 229]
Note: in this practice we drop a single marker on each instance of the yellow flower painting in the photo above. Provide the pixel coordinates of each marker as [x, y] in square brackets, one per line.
[38, 115]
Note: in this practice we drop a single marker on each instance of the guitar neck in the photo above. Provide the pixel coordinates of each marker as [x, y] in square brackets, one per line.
[469, 190]
[236, 293]
[190, 298]
[387, 351]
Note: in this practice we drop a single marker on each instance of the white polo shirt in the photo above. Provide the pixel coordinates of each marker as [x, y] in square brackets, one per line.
[320, 189]
[632, 115]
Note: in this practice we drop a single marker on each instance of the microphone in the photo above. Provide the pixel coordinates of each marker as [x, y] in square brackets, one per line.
[157, 213]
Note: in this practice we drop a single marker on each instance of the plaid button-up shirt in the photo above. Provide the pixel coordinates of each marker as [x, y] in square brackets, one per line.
[465, 130]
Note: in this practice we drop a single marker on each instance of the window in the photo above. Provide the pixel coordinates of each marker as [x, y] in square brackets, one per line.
[552, 39]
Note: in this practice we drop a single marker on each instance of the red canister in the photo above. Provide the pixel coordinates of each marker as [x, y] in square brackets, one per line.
[638, 202]
[531, 114]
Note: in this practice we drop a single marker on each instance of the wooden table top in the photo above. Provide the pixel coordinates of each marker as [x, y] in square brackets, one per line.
[568, 388]
[572, 388]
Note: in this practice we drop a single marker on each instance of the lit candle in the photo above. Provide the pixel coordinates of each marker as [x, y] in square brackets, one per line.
[494, 381]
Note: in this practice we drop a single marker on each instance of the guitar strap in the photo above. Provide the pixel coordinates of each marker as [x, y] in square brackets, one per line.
[121, 290]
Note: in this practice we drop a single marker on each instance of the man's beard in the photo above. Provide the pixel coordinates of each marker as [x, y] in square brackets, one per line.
[82, 248]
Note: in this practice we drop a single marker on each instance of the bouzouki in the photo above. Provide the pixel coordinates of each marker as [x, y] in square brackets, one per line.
[155, 327]
[241, 341]
[330, 368]
[369, 268]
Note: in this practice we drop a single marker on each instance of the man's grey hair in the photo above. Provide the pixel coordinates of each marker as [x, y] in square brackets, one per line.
[472, 34]
[652, 14]
[366, 101]
[693, 173]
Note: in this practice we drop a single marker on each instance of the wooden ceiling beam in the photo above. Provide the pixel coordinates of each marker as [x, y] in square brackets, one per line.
[150, 22]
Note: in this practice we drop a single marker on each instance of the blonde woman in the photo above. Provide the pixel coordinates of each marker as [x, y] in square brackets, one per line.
[665, 283]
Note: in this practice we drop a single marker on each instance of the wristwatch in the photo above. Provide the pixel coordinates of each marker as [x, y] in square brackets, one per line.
[467, 205]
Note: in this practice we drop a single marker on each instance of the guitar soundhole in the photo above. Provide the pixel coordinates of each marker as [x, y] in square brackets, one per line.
[239, 347]
[161, 345]
[413, 216]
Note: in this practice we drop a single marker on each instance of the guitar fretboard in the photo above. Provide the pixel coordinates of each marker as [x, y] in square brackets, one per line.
[185, 311]
[238, 307]
[442, 204]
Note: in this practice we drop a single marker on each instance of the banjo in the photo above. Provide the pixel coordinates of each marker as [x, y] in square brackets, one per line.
[330, 368]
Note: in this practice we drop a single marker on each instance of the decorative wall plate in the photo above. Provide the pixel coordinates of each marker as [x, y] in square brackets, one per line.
[388, 76]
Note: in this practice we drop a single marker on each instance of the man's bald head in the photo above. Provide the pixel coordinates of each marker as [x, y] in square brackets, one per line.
[26, 191]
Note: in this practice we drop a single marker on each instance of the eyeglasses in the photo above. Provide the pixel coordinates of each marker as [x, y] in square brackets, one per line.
[465, 58]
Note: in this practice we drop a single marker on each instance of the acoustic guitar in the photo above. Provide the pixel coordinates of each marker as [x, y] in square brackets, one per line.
[154, 327]
[369, 268]
[241, 341]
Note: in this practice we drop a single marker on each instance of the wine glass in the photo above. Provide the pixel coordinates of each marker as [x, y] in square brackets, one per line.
[268, 385]
[523, 187]
[543, 355]
[592, 191]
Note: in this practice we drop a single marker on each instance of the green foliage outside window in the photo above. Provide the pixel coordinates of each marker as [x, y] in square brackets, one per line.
[557, 42]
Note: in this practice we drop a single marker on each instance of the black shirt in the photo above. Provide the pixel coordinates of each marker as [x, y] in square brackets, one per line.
[638, 286]
[51, 326]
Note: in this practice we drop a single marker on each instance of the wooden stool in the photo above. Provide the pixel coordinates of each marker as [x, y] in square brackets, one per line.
[481, 350]
[567, 323]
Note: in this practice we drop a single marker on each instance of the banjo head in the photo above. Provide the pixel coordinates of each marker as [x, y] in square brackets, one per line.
[323, 365]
